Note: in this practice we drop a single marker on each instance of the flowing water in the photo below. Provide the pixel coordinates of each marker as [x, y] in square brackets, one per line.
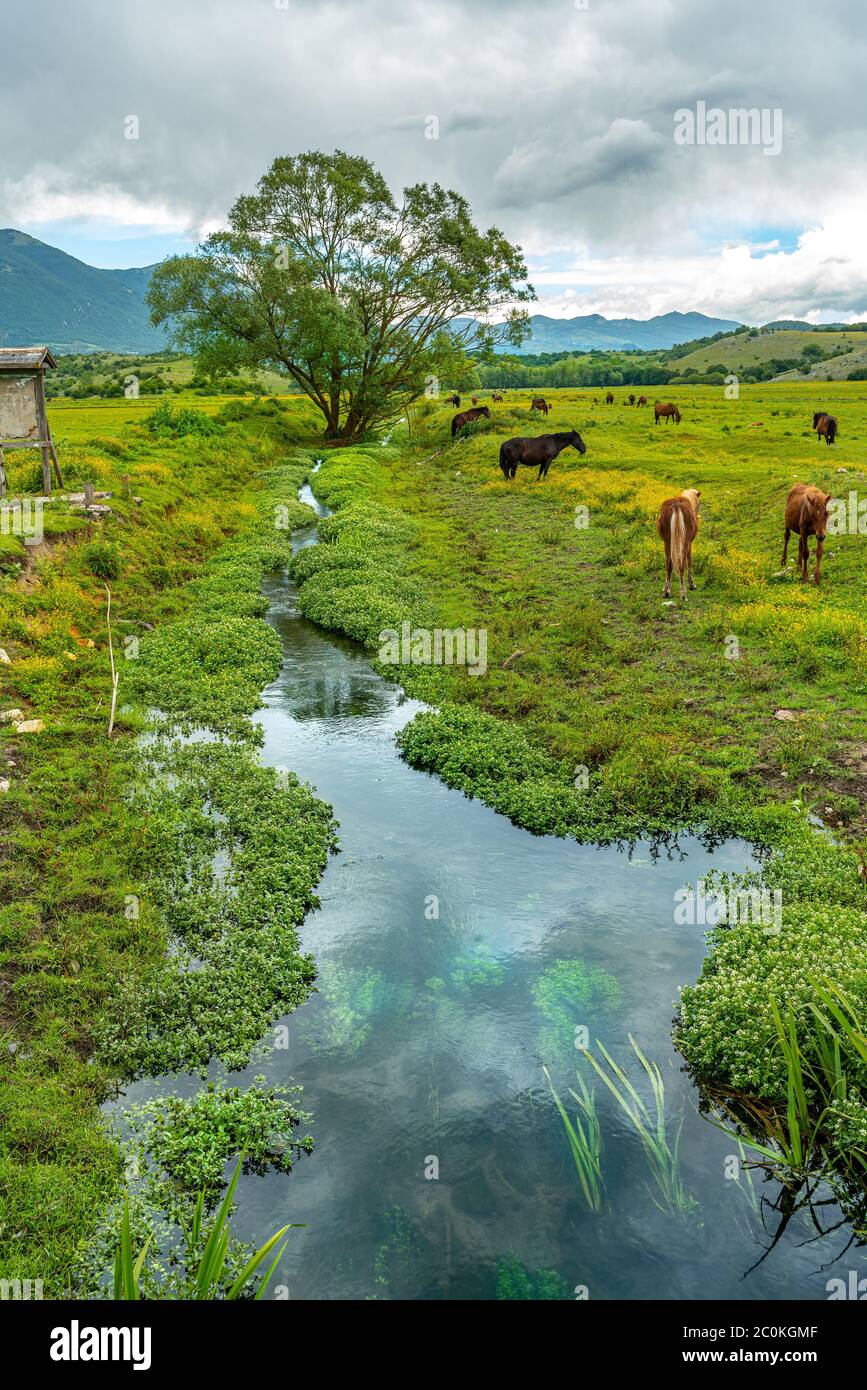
[442, 933]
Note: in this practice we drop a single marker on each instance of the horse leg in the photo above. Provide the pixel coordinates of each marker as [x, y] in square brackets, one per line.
[820, 546]
[785, 548]
[803, 557]
[666, 593]
[689, 565]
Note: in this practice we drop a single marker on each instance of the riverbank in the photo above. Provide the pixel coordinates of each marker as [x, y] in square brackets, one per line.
[109, 841]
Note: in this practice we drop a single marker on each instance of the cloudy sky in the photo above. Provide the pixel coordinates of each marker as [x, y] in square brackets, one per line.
[556, 119]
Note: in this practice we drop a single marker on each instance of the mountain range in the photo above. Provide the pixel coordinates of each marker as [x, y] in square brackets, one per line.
[47, 296]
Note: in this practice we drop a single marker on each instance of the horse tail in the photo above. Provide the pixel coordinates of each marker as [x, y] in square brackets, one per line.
[678, 540]
[832, 429]
[677, 414]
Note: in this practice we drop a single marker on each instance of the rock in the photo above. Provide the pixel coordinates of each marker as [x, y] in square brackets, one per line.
[30, 726]
[9, 716]
[4, 784]
[5, 659]
[785, 714]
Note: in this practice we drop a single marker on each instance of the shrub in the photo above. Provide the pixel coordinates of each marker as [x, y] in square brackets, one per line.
[102, 559]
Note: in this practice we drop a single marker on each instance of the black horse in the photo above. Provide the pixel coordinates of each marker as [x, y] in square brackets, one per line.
[453, 400]
[825, 425]
[539, 450]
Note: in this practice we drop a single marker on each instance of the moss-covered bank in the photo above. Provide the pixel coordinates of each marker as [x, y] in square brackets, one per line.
[123, 951]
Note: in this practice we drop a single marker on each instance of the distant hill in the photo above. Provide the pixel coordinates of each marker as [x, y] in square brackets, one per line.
[834, 353]
[589, 331]
[49, 297]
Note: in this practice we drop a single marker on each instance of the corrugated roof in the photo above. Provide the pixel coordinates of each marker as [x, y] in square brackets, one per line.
[16, 359]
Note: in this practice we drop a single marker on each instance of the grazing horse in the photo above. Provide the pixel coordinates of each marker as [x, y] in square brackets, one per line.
[541, 449]
[677, 524]
[825, 425]
[609, 399]
[458, 421]
[632, 398]
[807, 514]
[496, 396]
[642, 400]
[670, 412]
[539, 403]
[453, 400]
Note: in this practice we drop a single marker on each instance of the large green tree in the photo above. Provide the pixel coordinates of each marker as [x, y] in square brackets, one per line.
[365, 302]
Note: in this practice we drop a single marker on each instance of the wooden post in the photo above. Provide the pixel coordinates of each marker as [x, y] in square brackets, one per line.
[57, 472]
[89, 495]
[2, 474]
[42, 418]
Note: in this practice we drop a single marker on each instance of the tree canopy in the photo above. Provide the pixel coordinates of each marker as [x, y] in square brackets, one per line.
[364, 302]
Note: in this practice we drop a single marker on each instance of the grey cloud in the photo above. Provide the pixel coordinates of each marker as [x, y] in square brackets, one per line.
[555, 122]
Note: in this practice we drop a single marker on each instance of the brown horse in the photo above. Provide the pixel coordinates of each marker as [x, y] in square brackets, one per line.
[539, 403]
[807, 515]
[825, 425]
[515, 453]
[670, 412]
[642, 400]
[677, 524]
[609, 399]
[496, 396]
[458, 421]
[632, 398]
[453, 400]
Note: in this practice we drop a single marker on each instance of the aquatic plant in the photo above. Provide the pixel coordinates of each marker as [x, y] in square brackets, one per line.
[354, 996]
[516, 1282]
[183, 1145]
[208, 1271]
[477, 968]
[661, 1152]
[571, 993]
[585, 1140]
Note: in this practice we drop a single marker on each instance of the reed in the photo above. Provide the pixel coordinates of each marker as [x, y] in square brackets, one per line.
[585, 1140]
[662, 1154]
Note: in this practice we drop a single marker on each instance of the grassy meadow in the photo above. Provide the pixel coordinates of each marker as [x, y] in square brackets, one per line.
[605, 667]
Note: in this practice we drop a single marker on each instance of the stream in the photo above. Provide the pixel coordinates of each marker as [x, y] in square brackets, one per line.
[441, 938]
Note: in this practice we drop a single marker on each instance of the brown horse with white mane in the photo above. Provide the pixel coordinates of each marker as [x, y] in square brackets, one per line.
[825, 425]
[807, 515]
[541, 449]
[677, 524]
[466, 416]
[669, 410]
